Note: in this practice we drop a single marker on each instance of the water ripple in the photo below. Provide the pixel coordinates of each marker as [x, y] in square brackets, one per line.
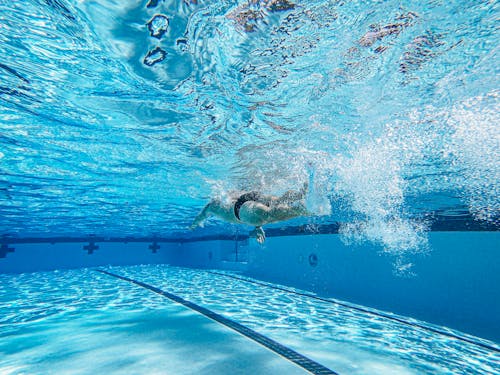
[124, 117]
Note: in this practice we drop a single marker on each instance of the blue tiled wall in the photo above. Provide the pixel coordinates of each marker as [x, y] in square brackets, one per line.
[37, 257]
[43, 257]
[456, 285]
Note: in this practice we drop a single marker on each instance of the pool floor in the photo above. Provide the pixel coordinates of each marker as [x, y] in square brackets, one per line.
[83, 321]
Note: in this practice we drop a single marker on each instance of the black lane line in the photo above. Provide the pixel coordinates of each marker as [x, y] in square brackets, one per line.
[297, 358]
[381, 315]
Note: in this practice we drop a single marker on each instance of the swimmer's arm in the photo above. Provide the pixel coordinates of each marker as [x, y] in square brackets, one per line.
[207, 210]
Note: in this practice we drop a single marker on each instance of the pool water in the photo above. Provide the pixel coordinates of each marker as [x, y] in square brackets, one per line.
[121, 120]
[84, 321]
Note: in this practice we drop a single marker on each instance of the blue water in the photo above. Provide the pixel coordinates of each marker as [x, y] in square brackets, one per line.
[66, 318]
[100, 138]
[120, 120]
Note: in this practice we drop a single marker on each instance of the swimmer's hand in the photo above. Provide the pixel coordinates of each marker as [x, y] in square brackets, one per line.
[195, 225]
[259, 234]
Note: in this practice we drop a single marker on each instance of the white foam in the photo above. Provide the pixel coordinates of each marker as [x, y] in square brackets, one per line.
[372, 180]
[475, 148]
[461, 145]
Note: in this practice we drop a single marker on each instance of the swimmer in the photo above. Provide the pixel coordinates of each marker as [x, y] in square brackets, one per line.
[256, 209]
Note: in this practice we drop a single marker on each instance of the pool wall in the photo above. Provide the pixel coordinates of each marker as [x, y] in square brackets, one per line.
[455, 285]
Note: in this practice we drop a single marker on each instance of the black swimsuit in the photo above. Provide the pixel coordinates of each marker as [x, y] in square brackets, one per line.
[247, 197]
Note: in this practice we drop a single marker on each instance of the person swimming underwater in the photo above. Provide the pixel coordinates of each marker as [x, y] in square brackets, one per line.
[256, 209]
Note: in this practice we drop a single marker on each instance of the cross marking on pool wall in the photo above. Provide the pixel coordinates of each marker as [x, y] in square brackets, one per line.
[154, 247]
[91, 247]
[4, 249]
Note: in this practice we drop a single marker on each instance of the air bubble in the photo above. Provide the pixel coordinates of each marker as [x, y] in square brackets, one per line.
[152, 3]
[155, 56]
[182, 44]
[158, 26]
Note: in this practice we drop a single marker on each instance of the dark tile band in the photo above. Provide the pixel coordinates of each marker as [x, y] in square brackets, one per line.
[297, 358]
[366, 311]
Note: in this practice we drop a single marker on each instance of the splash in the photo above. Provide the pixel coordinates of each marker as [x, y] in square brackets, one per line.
[463, 145]
[372, 180]
[475, 147]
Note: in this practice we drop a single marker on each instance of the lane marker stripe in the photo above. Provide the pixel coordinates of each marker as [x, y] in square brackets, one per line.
[381, 315]
[297, 358]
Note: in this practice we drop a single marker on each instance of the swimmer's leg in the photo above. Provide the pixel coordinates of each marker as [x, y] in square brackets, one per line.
[292, 196]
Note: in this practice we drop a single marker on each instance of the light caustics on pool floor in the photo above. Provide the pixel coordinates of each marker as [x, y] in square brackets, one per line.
[81, 321]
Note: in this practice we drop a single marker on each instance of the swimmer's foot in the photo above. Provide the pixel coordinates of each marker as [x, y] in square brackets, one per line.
[259, 234]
